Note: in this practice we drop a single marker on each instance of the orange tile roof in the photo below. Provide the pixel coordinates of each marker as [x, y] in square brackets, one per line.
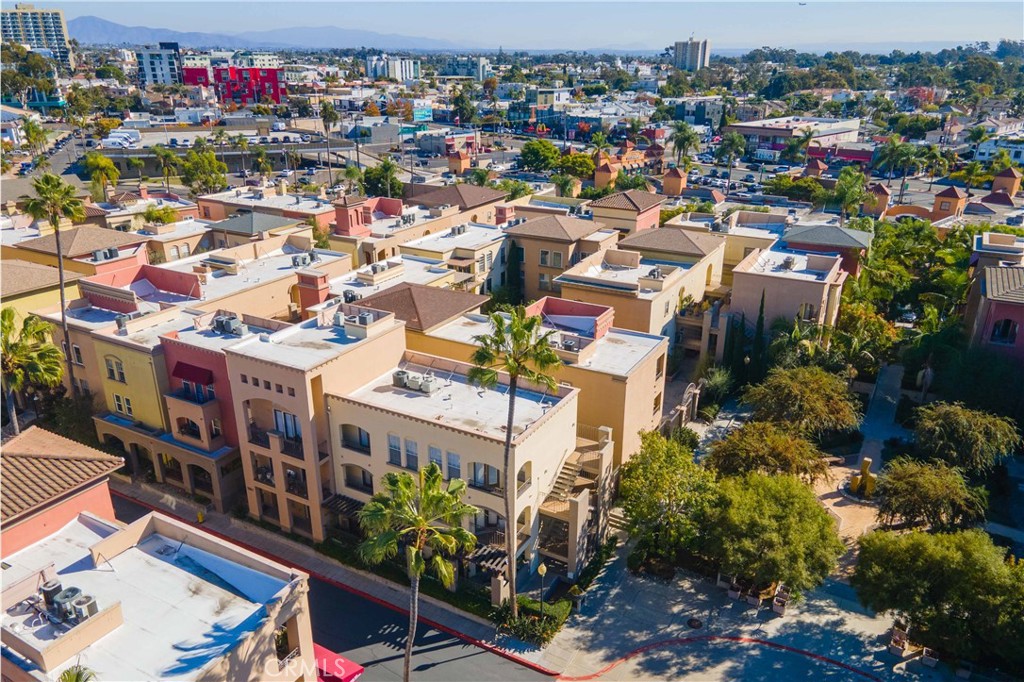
[38, 466]
[82, 241]
[631, 200]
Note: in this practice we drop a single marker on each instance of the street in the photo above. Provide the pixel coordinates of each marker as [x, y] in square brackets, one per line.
[373, 635]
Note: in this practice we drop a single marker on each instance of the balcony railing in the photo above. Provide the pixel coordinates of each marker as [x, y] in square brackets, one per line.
[355, 445]
[295, 484]
[258, 436]
[190, 432]
[492, 488]
[302, 523]
[190, 396]
[523, 487]
[283, 662]
[291, 447]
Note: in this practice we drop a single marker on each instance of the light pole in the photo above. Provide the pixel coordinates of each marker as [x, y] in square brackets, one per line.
[542, 571]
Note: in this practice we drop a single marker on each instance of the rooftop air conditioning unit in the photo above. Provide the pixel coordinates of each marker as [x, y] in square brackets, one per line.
[99, 255]
[414, 381]
[428, 384]
[399, 378]
[365, 319]
[788, 262]
[218, 323]
[121, 321]
[233, 325]
[85, 607]
[655, 273]
[349, 296]
[63, 600]
[300, 260]
[113, 252]
[50, 589]
[569, 344]
[339, 319]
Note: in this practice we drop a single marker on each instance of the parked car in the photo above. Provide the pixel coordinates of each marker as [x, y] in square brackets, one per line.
[782, 169]
[275, 140]
[287, 173]
[311, 171]
[173, 142]
[713, 173]
[754, 166]
[749, 177]
[305, 180]
[305, 138]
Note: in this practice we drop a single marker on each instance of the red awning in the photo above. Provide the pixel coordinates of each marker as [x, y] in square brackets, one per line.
[335, 668]
[197, 375]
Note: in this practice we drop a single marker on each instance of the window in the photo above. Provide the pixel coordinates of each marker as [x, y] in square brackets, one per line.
[434, 455]
[355, 438]
[394, 450]
[291, 391]
[661, 367]
[115, 370]
[245, 379]
[556, 259]
[412, 458]
[211, 394]
[279, 388]
[544, 283]
[657, 403]
[807, 312]
[1004, 331]
[76, 354]
[545, 257]
[123, 405]
[666, 307]
[185, 250]
[174, 253]
[454, 466]
[215, 429]
[943, 205]
[255, 382]
[266, 384]
[490, 259]
[480, 264]
[288, 424]
[186, 386]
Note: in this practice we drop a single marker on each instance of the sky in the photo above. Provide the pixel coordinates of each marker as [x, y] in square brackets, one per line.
[594, 23]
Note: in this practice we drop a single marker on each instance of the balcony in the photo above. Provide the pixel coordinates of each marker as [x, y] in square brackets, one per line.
[190, 430]
[274, 440]
[355, 446]
[295, 482]
[496, 537]
[184, 405]
[492, 488]
[260, 437]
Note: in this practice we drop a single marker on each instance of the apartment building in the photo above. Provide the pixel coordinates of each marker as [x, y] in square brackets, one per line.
[474, 249]
[81, 588]
[274, 200]
[170, 241]
[423, 409]
[159, 65]
[249, 85]
[477, 68]
[125, 211]
[766, 138]
[692, 55]
[547, 246]
[256, 60]
[630, 211]
[279, 381]
[396, 68]
[995, 301]
[40, 29]
[394, 272]
[28, 287]
[86, 249]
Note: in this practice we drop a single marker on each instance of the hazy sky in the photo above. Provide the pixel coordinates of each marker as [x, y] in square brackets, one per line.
[580, 25]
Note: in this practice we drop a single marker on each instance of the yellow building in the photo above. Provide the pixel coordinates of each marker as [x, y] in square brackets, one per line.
[30, 287]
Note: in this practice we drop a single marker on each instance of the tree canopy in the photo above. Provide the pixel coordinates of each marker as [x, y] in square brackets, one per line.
[931, 493]
[540, 155]
[203, 173]
[970, 439]
[763, 447]
[807, 399]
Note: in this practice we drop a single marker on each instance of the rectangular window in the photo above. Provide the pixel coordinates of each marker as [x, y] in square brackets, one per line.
[210, 393]
[490, 259]
[480, 264]
[245, 379]
[115, 370]
[76, 354]
[288, 424]
[412, 455]
[279, 388]
[545, 257]
[118, 403]
[255, 382]
[291, 391]
[556, 259]
[434, 454]
[215, 428]
[545, 283]
[266, 384]
[454, 466]
[657, 403]
[394, 450]
[186, 386]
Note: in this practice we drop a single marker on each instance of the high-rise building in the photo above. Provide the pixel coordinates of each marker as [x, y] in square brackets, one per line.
[40, 29]
[383, 66]
[478, 68]
[160, 65]
[692, 55]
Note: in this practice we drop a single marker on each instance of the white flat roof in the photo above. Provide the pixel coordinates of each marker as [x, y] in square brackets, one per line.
[183, 607]
[415, 270]
[182, 228]
[787, 263]
[620, 277]
[209, 339]
[456, 403]
[290, 202]
[140, 206]
[475, 236]
[385, 225]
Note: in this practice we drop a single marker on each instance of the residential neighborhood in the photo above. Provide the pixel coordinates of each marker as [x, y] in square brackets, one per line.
[333, 354]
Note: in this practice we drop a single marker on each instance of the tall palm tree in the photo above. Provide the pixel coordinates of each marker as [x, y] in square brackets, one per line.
[241, 143]
[565, 184]
[412, 517]
[907, 159]
[850, 192]
[260, 161]
[796, 148]
[329, 116]
[934, 160]
[28, 358]
[77, 673]
[353, 176]
[55, 200]
[102, 171]
[889, 156]
[970, 175]
[34, 135]
[479, 177]
[220, 138]
[137, 164]
[519, 348]
[731, 146]
[167, 161]
[601, 146]
[683, 139]
[976, 136]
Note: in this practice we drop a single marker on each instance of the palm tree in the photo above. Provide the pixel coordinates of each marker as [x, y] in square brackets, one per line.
[34, 134]
[850, 192]
[601, 146]
[353, 176]
[935, 161]
[970, 175]
[413, 518]
[102, 171]
[77, 673]
[28, 358]
[683, 139]
[565, 184]
[167, 161]
[329, 116]
[220, 138]
[976, 136]
[890, 155]
[241, 143]
[796, 148]
[907, 158]
[518, 348]
[55, 200]
[137, 164]
[261, 162]
[731, 146]
[479, 177]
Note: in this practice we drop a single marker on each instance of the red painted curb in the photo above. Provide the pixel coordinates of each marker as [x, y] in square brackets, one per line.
[376, 600]
[718, 638]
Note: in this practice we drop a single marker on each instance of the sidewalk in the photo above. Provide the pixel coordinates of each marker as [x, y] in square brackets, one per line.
[880, 419]
[297, 555]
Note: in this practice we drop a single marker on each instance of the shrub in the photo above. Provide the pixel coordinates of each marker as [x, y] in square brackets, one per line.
[709, 411]
[594, 566]
[686, 437]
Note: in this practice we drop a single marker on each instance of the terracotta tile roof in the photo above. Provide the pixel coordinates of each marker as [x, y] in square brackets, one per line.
[422, 307]
[82, 241]
[464, 196]
[1009, 172]
[93, 211]
[879, 188]
[122, 198]
[38, 466]
[630, 200]
[1005, 284]
[673, 240]
[674, 173]
[556, 227]
[952, 193]
[18, 277]
[817, 164]
[999, 198]
[606, 168]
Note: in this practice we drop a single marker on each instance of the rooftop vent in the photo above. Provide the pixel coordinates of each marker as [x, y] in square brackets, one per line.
[788, 262]
[300, 260]
[350, 296]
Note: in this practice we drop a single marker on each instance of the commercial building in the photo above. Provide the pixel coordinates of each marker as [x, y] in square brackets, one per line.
[548, 246]
[40, 29]
[766, 138]
[396, 68]
[159, 65]
[691, 55]
[477, 68]
[242, 85]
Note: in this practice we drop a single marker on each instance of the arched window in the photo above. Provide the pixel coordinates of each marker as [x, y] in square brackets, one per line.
[1004, 331]
[115, 369]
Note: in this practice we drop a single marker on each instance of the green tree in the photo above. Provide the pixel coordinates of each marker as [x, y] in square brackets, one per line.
[518, 349]
[565, 184]
[970, 439]
[161, 215]
[513, 189]
[663, 492]
[77, 673]
[54, 200]
[353, 177]
[601, 146]
[424, 521]
[479, 177]
[261, 161]
[624, 182]
[329, 116]
[202, 173]
[933, 159]
[807, 399]
[463, 107]
[28, 358]
[732, 146]
[577, 165]
[850, 192]
[33, 134]
[137, 164]
[932, 493]
[972, 175]
[763, 447]
[976, 136]
[382, 180]
[539, 155]
[683, 139]
[102, 171]
[240, 143]
[956, 591]
[168, 162]
[771, 528]
[890, 156]
[796, 147]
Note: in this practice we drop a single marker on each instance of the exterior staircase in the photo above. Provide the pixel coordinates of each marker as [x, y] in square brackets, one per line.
[565, 481]
[617, 520]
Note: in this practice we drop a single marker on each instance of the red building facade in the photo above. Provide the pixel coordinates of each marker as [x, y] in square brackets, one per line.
[241, 85]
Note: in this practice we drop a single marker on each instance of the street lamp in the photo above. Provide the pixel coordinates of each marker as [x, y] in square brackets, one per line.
[542, 571]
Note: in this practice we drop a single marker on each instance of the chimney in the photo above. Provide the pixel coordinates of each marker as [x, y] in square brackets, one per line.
[282, 187]
[143, 190]
[312, 289]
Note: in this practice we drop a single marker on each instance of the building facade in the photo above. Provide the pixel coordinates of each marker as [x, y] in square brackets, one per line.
[692, 55]
[159, 65]
[40, 29]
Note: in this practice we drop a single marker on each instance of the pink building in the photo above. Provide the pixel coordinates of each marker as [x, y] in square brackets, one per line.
[995, 310]
[629, 212]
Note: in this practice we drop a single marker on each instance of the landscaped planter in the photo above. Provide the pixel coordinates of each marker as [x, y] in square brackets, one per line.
[779, 605]
[724, 582]
[735, 591]
[754, 599]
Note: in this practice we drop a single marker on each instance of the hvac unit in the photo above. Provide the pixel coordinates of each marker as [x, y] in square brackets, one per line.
[788, 262]
[428, 384]
[62, 601]
[113, 252]
[399, 378]
[349, 296]
[365, 319]
[569, 344]
[300, 260]
[121, 321]
[414, 381]
[99, 255]
[50, 589]
[218, 323]
[339, 319]
[232, 325]
[85, 607]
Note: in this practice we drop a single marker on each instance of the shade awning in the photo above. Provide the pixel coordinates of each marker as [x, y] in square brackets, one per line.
[189, 372]
[458, 261]
[334, 668]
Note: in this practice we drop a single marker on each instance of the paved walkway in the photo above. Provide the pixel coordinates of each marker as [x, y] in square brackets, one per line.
[307, 559]
[880, 419]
